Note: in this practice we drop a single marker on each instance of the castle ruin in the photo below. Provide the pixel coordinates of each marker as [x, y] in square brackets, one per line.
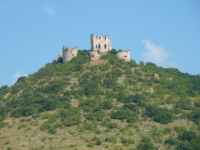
[100, 45]
[124, 55]
[69, 53]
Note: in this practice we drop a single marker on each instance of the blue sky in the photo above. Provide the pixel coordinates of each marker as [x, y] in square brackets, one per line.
[32, 33]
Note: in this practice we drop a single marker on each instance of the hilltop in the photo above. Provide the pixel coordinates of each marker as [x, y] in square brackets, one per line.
[103, 104]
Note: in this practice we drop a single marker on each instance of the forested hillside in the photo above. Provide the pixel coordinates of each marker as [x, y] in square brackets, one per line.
[104, 104]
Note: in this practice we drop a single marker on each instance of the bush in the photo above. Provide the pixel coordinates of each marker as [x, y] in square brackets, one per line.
[167, 130]
[184, 146]
[52, 130]
[171, 141]
[112, 125]
[90, 144]
[187, 135]
[23, 125]
[195, 116]
[98, 142]
[146, 146]
[111, 139]
[120, 114]
[183, 104]
[161, 115]
[3, 124]
[46, 116]
[23, 120]
[129, 141]
[45, 126]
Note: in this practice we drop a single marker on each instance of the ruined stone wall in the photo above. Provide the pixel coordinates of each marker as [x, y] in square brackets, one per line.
[94, 55]
[69, 53]
[60, 55]
[101, 43]
[124, 55]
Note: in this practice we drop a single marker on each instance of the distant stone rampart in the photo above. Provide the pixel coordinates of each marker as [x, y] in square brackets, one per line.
[125, 54]
[100, 45]
[69, 53]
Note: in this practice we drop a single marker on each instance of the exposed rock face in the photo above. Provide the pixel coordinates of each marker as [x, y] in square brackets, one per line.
[69, 53]
[124, 55]
[101, 43]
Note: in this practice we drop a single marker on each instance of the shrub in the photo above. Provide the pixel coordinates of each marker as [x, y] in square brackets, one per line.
[52, 130]
[171, 141]
[45, 126]
[161, 115]
[3, 124]
[46, 116]
[184, 146]
[112, 125]
[167, 130]
[98, 142]
[129, 141]
[183, 104]
[90, 144]
[23, 120]
[146, 146]
[111, 139]
[23, 125]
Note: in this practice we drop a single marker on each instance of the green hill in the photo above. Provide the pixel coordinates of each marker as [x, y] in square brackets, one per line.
[104, 104]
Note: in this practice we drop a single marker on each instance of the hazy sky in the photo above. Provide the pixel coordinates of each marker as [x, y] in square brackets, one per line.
[32, 33]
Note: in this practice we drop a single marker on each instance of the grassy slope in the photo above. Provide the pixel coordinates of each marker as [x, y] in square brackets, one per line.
[73, 137]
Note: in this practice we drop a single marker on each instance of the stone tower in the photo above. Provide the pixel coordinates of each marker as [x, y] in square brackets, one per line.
[101, 43]
[69, 53]
[125, 54]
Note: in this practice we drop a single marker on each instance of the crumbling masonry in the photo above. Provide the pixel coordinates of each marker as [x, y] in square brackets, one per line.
[100, 45]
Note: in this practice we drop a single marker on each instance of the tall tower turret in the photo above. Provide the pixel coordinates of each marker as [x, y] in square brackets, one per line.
[101, 43]
[69, 53]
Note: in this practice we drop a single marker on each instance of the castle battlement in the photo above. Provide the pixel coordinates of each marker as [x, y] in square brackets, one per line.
[69, 53]
[98, 42]
[125, 54]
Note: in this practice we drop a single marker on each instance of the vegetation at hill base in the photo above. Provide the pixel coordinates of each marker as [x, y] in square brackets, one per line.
[104, 104]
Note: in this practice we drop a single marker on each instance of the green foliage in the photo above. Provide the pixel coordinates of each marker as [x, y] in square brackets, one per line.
[183, 104]
[195, 116]
[167, 130]
[97, 88]
[46, 116]
[23, 125]
[112, 125]
[161, 115]
[52, 130]
[129, 141]
[184, 146]
[45, 126]
[171, 141]
[3, 124]
[109, 83]
[146, 145]
[4, 89]
[111, 139]
[189, 139]
[90, 144]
